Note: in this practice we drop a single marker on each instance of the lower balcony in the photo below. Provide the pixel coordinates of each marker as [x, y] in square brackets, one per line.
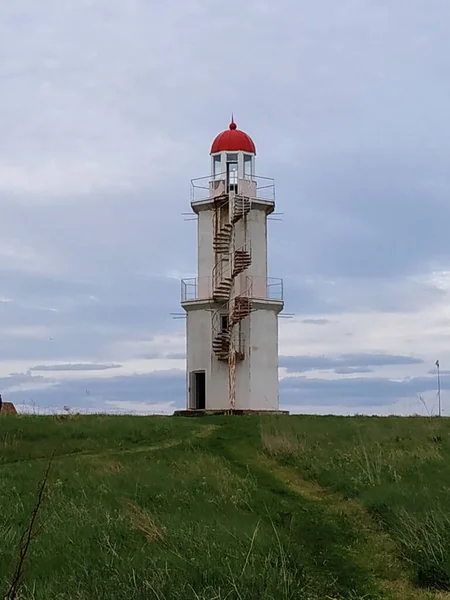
[258, 288]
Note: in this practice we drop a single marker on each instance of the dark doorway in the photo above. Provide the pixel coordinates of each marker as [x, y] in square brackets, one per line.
[198, 390]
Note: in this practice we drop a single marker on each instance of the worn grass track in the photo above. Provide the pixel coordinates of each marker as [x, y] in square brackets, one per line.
[375, 547]
[227, 508]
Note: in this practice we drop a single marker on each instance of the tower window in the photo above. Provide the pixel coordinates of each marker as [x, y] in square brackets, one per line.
[247, 166]
[224, 322]
[217, 166]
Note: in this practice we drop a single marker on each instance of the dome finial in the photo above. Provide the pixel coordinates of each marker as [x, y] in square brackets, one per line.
[232, 124]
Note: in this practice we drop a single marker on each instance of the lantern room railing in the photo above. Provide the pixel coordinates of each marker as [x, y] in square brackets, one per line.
[251, 186]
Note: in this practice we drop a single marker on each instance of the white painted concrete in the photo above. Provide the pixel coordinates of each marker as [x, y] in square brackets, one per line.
[205, 229]
[256, 375]
[200, 357]
[263, 358]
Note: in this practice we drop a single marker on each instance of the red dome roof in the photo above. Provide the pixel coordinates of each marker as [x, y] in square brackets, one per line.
[233, 140]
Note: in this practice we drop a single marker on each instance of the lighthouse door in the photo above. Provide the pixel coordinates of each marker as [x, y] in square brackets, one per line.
[198, 390]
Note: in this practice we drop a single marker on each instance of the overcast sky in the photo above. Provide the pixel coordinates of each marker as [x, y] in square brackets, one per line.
[108, 109]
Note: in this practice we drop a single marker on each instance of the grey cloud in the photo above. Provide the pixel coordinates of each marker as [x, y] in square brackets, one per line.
[57, 346]
[176, 355]
[169, 387]
[316, 321]
[94, 343]
[101, 303]
[17, 379]
[314, 294]
[73, 324]
[361, 167]
[355, 391]
[302, 295]
[75, 367]
[41, 287]
[156, 387]
[351, 370]
[360, 217]
[302, 364]
[162, 354]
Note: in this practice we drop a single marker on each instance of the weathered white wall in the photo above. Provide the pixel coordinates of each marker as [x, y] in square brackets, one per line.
[247, 187]
[256, 375]
[263, 393]
[257, 234]
[200, 356]
[205, 243]
[199, 338]
[218, 396]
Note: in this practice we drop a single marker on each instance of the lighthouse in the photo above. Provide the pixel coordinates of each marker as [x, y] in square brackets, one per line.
[232, 306]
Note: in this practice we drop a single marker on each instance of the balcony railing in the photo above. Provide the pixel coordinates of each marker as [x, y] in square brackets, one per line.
[259, 288]
[196, 288]
[265, 288]
[251, 186]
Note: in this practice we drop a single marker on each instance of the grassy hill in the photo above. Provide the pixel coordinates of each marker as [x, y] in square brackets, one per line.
[227, 508]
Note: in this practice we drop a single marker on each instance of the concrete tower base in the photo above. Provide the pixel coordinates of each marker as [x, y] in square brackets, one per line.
[209, 413]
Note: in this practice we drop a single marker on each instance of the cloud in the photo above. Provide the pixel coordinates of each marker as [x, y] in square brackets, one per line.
[121, 393]
[357, 391]
[351, 370]
[315, 321]
[97, 153]
[345, 363]
[16, 379]
[75, 367]
[165, 355]
[164, 391]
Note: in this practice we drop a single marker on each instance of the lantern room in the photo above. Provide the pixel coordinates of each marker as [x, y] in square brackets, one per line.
[232, 157]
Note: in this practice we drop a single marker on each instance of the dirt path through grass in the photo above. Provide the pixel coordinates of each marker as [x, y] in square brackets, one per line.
[203, 433]
[375, 548]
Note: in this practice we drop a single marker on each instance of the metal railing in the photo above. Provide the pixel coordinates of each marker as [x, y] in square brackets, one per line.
[265, 187]
[196, 288]
[222, 270]
[261, 288]
[252, 186]
[267, 288]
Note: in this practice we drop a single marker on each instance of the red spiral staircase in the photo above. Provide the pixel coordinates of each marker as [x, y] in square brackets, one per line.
[234, 262]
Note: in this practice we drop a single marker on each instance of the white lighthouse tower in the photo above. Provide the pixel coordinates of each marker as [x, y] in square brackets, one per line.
[232, 306]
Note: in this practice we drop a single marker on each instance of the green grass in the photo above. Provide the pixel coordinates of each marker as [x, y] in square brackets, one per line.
[397, 468]
[227, 508]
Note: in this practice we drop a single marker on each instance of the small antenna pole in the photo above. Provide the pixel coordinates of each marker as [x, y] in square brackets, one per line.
[439, 387]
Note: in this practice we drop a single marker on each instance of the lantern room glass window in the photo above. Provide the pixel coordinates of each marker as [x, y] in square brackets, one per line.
[217, 166]
[248, 166]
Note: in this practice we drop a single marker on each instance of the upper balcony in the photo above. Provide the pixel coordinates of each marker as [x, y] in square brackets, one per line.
[251, 186]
